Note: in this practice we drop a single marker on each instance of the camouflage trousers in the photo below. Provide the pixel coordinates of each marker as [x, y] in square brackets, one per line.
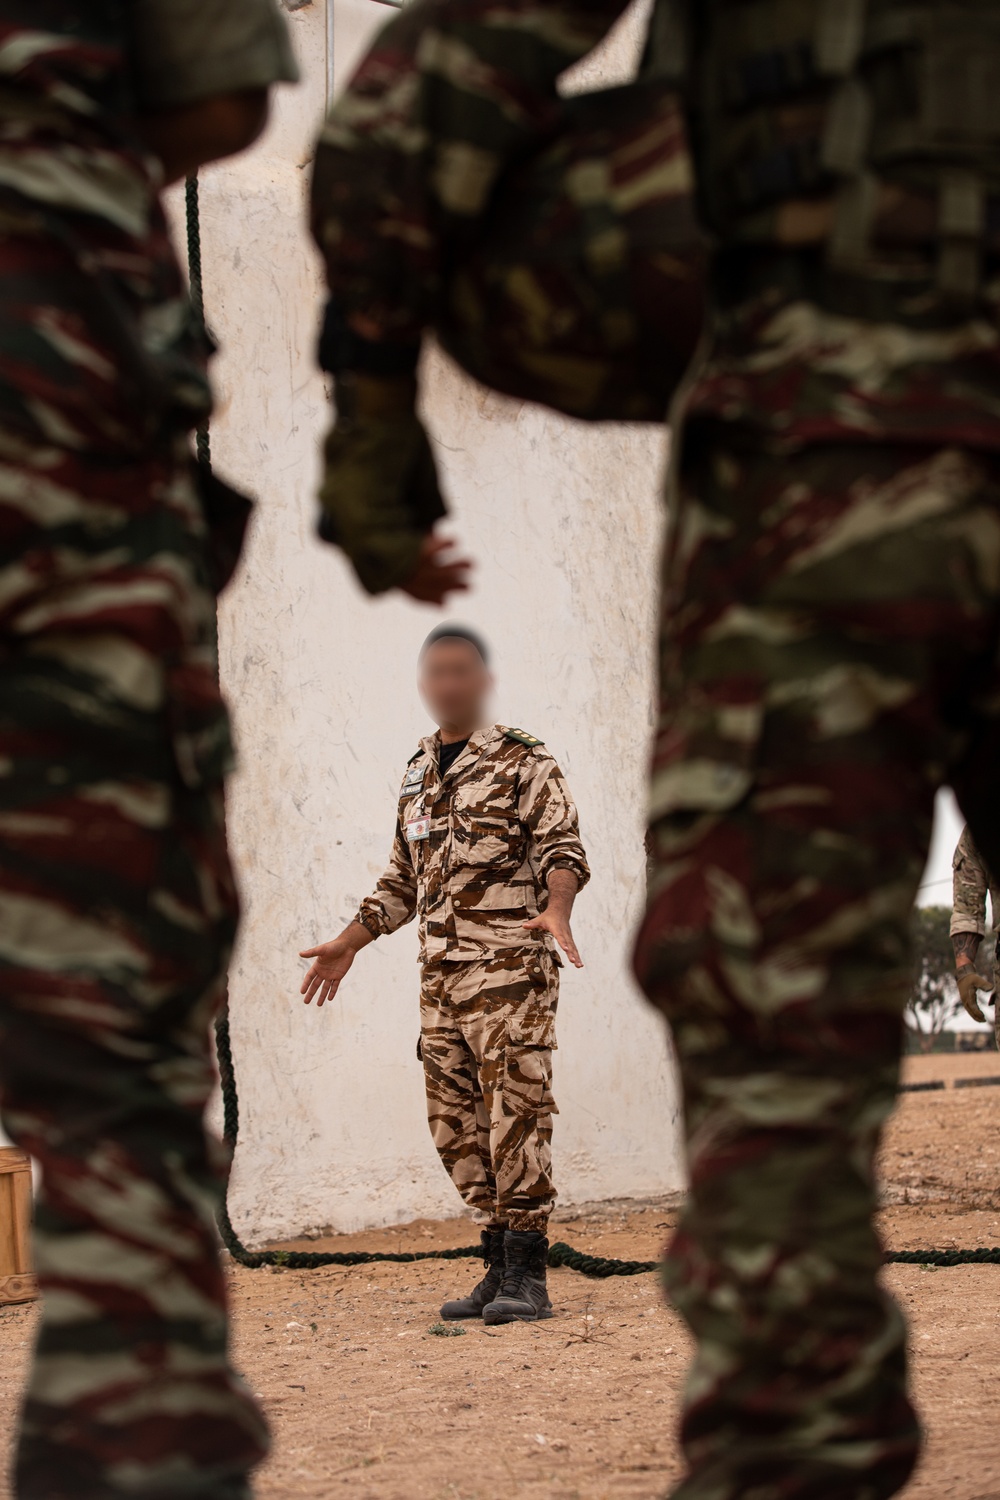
[829, 658]
[117, 914]
[487, 1032]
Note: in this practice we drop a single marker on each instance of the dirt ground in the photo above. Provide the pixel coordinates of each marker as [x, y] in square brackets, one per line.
[367, 1401]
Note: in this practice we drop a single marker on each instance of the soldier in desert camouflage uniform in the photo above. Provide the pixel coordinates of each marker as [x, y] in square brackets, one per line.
[971, 882]
[487, 853]
[831, 622]
[117, 906]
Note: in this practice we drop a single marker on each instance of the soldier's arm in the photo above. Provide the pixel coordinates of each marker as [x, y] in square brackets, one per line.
[969, 890]
[390, 906]
[393, 902]
[448, 95]
[451, 92]
[203, 69]
[549, 813]
[968, 921]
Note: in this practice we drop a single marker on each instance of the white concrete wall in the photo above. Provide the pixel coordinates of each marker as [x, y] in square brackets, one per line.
[564, 521]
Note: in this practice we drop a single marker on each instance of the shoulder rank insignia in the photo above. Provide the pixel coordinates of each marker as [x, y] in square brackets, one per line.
[415, 756]
[523, 739]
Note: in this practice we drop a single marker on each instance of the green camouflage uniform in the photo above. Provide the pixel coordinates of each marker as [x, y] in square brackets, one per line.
[472, 856]
[830, 628]
[117, 904]
[831, 619]
[971, 883]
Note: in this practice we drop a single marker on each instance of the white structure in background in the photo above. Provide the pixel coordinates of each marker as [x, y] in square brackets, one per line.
[564, 521]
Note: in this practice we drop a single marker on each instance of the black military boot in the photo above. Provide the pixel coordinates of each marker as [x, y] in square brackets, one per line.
[523, 1295]
[493, 1259]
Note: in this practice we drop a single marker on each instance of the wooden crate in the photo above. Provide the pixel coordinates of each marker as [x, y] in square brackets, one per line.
[17, 1284]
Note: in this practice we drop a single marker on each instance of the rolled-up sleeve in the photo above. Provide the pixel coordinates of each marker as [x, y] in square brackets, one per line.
[394, 900]
[450, 93]
[969, 887]
[549, 813]
[188, 50]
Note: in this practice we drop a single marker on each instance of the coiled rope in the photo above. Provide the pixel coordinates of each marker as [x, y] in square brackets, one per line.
[560, 1254]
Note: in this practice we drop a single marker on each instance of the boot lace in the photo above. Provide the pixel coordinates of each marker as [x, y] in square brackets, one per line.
[513, 1276]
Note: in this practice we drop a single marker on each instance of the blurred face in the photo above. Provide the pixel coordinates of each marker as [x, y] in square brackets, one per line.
[455, 684]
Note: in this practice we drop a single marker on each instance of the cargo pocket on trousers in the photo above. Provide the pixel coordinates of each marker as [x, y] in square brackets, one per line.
[528, 1049]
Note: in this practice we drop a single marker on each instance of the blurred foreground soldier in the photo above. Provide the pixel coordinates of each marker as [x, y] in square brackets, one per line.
[488, 854]
[117, 907]
[831, 620]
[971, 883]
[830, 633]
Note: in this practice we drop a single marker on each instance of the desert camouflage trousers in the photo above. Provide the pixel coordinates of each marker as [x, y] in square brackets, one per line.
[117, 914]
[829, 658]
[487, 1032]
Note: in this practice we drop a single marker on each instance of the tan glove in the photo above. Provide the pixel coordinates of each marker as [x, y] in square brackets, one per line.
[969, 982]
[380, 492]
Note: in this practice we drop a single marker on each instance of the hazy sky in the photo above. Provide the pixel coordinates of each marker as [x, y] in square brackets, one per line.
[935, 888]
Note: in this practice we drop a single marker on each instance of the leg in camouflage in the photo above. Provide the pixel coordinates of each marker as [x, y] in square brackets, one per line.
[118, 917]
[831, 618]
[487, 1034]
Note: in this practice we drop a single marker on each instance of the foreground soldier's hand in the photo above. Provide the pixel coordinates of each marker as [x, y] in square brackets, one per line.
[969, 982]
[380, 494]
[439, 572]
[332, 961]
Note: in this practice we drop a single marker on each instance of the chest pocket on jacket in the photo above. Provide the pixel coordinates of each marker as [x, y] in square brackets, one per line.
[487, 836]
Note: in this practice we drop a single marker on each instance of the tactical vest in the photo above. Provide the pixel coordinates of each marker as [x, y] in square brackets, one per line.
[883, 113]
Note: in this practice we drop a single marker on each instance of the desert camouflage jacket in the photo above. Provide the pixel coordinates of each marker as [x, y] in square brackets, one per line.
[473, 850]
[449, 95]
[970, 883]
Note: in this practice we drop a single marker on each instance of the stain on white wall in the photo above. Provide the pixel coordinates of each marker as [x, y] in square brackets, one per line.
[564, 521]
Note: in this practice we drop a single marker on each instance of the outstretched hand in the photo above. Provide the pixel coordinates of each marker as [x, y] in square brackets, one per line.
[332, 961]
[969, 983]
[558, 925]
[439, 572]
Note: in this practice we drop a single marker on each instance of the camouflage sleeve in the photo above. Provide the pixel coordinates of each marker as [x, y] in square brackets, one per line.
[394, 900]
[188, 50]
[450, 93]
[969, 885]
[549, 813]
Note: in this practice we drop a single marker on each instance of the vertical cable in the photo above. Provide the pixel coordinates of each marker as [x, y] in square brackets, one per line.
[202, 442]
[329, 53]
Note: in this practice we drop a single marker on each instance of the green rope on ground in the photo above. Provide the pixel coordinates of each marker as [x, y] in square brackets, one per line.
[560, 1254]
[989, 1257]
[308, 1260]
